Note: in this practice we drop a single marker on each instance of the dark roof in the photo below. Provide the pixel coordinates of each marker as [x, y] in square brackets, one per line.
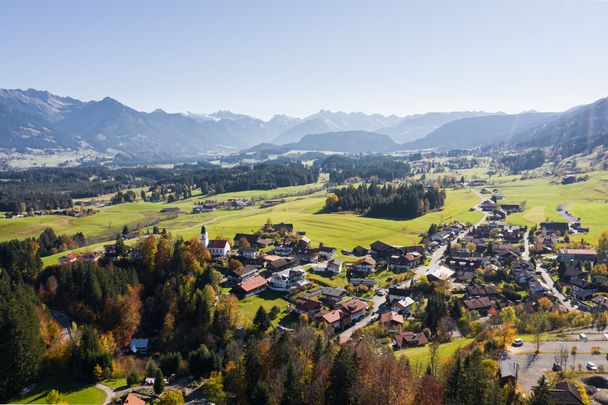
[217, 243]
[482, 290]
[333, 292]
[478, 303]
[565, 393]
[243, 271]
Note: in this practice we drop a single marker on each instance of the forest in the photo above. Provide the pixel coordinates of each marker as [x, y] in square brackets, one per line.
[369, 167]
[55, 188]
[528, 160]
[403, 201]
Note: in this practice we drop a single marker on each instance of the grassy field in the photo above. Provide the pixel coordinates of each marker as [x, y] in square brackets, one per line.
[419, 356]
[267, 299]
[587, 200]
[73, 392]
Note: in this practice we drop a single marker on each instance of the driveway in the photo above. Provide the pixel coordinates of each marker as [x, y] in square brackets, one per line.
[377, 301]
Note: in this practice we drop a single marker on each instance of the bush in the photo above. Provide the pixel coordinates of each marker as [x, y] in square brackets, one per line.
[596, 350]
[132, 379]
[171, 363]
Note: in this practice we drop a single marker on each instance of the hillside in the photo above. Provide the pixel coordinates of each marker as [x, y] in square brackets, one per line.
[575, 131]
[479, 131]
[417, 126]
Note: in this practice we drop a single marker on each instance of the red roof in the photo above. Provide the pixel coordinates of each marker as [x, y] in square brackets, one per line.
[391, 316]
[252, 284]
[134, 400]
[366, 261]
[333, 316]
[354, 305]
[411, 338]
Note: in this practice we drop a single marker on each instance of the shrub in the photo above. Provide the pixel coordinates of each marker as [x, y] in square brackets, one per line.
[132, 379]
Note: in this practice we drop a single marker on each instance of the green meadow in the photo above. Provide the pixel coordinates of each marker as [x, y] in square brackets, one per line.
[419, 356]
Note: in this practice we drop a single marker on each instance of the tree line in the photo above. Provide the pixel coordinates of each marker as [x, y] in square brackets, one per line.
[404, 201]
[368, 167]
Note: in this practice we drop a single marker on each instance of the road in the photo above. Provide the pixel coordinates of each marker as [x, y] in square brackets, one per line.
[108, 391]
[377, 302]
[545, 280]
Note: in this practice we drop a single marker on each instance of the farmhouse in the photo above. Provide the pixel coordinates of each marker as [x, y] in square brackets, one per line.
[576, 255]
[365, 265]
[409, 339]
[241, 274]
[331, 296]
[481, 304]
[308, 306]
[555, 227]
[391, 320]
[440, 273]
[334, 266]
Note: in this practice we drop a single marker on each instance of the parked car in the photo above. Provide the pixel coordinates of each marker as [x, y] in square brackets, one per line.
[517, 343]
[556, 367]
[582, 336]
[591, 366]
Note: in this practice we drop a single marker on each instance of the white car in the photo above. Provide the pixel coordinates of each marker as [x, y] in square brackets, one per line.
[591, 366]
[517, 343]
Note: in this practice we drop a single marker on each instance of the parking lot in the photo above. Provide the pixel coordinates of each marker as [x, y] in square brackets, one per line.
[532, 365]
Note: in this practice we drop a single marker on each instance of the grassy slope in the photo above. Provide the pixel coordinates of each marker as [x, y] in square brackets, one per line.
[586, 200]
[419, 356]
[73, 392]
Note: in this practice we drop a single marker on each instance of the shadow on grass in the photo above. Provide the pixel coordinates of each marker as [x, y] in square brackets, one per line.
[65, 384]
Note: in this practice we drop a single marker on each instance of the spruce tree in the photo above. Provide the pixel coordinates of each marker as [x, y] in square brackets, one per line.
[262, 320]
[342, 379]
[159, 382]
[261, 394]
[540, 393]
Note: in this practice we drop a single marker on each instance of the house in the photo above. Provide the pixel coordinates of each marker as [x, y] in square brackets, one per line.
[487, 290]
[250, 287]
[90, 257]
[283, 250]
[334, 319]
[576, 255]
[334, 266]
[365, 265]
[308, 306]
[355, 308]
[218, 247]
[251, 239]
[403, 306]
[139, 346]
[488, 206]
[384, 250]
[250, 253]
[360, 251]
[481, 304]
[391, 320]
[600, 303]
[536, 288]
[331, 296]
[241, 274]
[440, 273]
[510, 208]
[522, 271]
[508, 371]
[280, 264]
[283, 228]
[409, 339]
[464, 276]
[582, 289]
[555, 227]
[397, 294]
[369, 282]
[565, 393]
[68, 258]
[288, 279]
[132, 399]
[406, 261]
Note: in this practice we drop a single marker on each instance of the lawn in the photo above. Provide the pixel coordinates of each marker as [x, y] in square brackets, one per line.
[249, 306]
[419, 356]
[74, 392]
[115, 383]
[541, 196]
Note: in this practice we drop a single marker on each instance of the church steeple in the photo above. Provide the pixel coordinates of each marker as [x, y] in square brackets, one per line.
[204, 236]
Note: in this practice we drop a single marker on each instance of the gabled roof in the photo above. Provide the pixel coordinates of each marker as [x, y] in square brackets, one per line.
[218, 243]
[411, 338]
[333, 316]
[133, 399]
[366, 261]
[333, 292]
[354, 305]
[391, 316]
[252, 284]
[478, 303]
[565, 393]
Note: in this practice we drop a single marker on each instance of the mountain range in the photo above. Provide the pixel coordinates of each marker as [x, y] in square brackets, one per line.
[39, 120]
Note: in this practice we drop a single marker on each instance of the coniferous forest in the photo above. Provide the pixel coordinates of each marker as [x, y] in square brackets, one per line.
[404, 201]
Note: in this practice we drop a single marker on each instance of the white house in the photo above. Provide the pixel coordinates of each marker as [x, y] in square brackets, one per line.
[288, 279]
[403, 306]
[218, 247]
[334, 266]
[250, 253]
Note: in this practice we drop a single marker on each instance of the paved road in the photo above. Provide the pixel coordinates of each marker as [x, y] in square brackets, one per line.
[108, 391]
[377, 301]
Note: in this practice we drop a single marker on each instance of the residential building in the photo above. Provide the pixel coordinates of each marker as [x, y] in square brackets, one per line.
[391, 320]
[409, 339]
[403, 306]
[576, 255]
[334, 266]
[355, 308]
[308, 306]
[243, 273]
[139, 346]
[250, 287]
[365, 265]
[440, 273]
[288, 279]
[480, 304]
[331, 296]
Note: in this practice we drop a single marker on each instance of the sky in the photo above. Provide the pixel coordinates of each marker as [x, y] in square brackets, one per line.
[296, 57]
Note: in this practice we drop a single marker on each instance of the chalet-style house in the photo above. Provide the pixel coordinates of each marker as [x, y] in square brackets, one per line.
[331, 296]
[560, 228]
[250, 287]
[398, 293]
[360, 251]
[241, 274]
[481, 305]
[334, 266]
[403, 340]
[355, 308]
[406, 261]
[307, 305]
[487, 290]
[364, 265]
[391, 320]
[440, 273]
[281, 264]
[383, 250]
[249, 253]
[582, 289]
[288, 279]
[335, 319]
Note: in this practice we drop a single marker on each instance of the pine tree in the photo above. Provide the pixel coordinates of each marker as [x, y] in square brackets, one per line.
[540, 393]
[292, 388]
[261, 320]
[120, 246]
[261, 394]
[159, 382]
[342, 379]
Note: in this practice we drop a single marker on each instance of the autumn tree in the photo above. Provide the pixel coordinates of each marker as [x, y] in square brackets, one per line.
[261, 319]
[171, 397]
[602, 247]
[341, 390]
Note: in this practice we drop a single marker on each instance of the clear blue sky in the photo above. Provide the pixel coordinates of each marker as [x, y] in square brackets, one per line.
[296, 57]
